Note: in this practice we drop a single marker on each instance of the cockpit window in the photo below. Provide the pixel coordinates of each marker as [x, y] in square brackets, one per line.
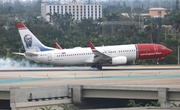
[163, 47]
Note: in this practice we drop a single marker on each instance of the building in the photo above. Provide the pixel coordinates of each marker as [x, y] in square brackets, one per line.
[78, 10]
[7, 1]
[157, 12]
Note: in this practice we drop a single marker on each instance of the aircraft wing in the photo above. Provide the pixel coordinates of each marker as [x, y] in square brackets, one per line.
[98, 55]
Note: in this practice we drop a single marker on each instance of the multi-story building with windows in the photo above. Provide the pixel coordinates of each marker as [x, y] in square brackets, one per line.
[78, 10]
[157, 12]
[7, 1]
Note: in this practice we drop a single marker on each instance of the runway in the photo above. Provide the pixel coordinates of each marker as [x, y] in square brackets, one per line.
[142, 76]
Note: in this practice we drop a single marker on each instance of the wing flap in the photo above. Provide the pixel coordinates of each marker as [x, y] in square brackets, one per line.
[100, 54]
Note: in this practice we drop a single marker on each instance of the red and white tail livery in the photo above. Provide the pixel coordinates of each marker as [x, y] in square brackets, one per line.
[94, 56]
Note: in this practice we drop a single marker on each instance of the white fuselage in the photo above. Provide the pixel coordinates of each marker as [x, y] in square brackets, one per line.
[80, 56]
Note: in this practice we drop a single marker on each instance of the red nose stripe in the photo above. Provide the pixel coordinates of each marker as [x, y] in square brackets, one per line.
[147, 51]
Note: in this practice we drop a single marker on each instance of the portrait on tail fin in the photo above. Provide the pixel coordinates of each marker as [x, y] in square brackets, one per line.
[28, 40]
[29, 44]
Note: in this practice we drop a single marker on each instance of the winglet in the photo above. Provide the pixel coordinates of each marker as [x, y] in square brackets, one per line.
[21, 26]
[58, 46]
[91, 45]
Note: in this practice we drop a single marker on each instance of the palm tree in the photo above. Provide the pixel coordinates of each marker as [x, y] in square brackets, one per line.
[153, 31]
[115, 17]
[68, 106]
[175, 105]
[50, 15]
[156, 104]
[46, 108]
[112, 17]
[132, 103]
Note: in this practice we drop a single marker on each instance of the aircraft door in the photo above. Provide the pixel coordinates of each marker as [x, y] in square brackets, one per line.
[49, 57]
[155, 49]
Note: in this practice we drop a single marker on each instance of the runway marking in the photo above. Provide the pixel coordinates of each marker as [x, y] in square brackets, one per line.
[106, 68]
[154, 76]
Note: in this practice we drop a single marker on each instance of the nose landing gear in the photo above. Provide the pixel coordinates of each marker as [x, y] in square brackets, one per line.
[157, 62]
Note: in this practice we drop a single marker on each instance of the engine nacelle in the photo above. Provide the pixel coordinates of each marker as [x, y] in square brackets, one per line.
[119, 60]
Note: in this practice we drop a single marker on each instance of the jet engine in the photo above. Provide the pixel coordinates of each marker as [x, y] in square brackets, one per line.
[119, 60]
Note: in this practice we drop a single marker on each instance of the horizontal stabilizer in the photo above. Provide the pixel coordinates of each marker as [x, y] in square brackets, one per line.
[18, 53]
[30, 54]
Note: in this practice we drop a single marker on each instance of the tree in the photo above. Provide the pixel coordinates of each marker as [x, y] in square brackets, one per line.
[156, 104]
[175, 105]
[46, 108]
[152, 30]
[68, 107]
[177, 5]
[132, 103]
[50, 16]
[124, 4]
[112, 17]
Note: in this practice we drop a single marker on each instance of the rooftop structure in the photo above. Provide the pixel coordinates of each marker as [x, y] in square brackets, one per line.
[157, 12]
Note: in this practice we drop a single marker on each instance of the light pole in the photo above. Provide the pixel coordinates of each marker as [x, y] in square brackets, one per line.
[20, 49]
[7, 54]
[178, 54]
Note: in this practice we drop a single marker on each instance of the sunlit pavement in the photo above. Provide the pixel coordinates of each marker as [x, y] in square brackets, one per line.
[148, 76]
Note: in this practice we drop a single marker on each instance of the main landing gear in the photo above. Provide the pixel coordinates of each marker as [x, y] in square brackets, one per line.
[99, 67]
[157, 61]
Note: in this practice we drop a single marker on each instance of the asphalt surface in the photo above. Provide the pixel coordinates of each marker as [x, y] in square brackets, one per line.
[142, 76]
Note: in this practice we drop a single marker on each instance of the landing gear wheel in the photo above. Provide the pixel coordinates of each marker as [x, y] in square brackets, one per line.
[157, 62]
[99, 67]
[93, 66]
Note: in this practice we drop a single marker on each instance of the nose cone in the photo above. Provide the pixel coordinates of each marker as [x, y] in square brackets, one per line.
[169, 51]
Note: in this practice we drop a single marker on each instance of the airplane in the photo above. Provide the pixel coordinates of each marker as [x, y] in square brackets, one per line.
[94, 56]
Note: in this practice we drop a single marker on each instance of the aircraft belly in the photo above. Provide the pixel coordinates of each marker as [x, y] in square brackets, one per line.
[70, 61]
[131, 57]
[33, 58]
